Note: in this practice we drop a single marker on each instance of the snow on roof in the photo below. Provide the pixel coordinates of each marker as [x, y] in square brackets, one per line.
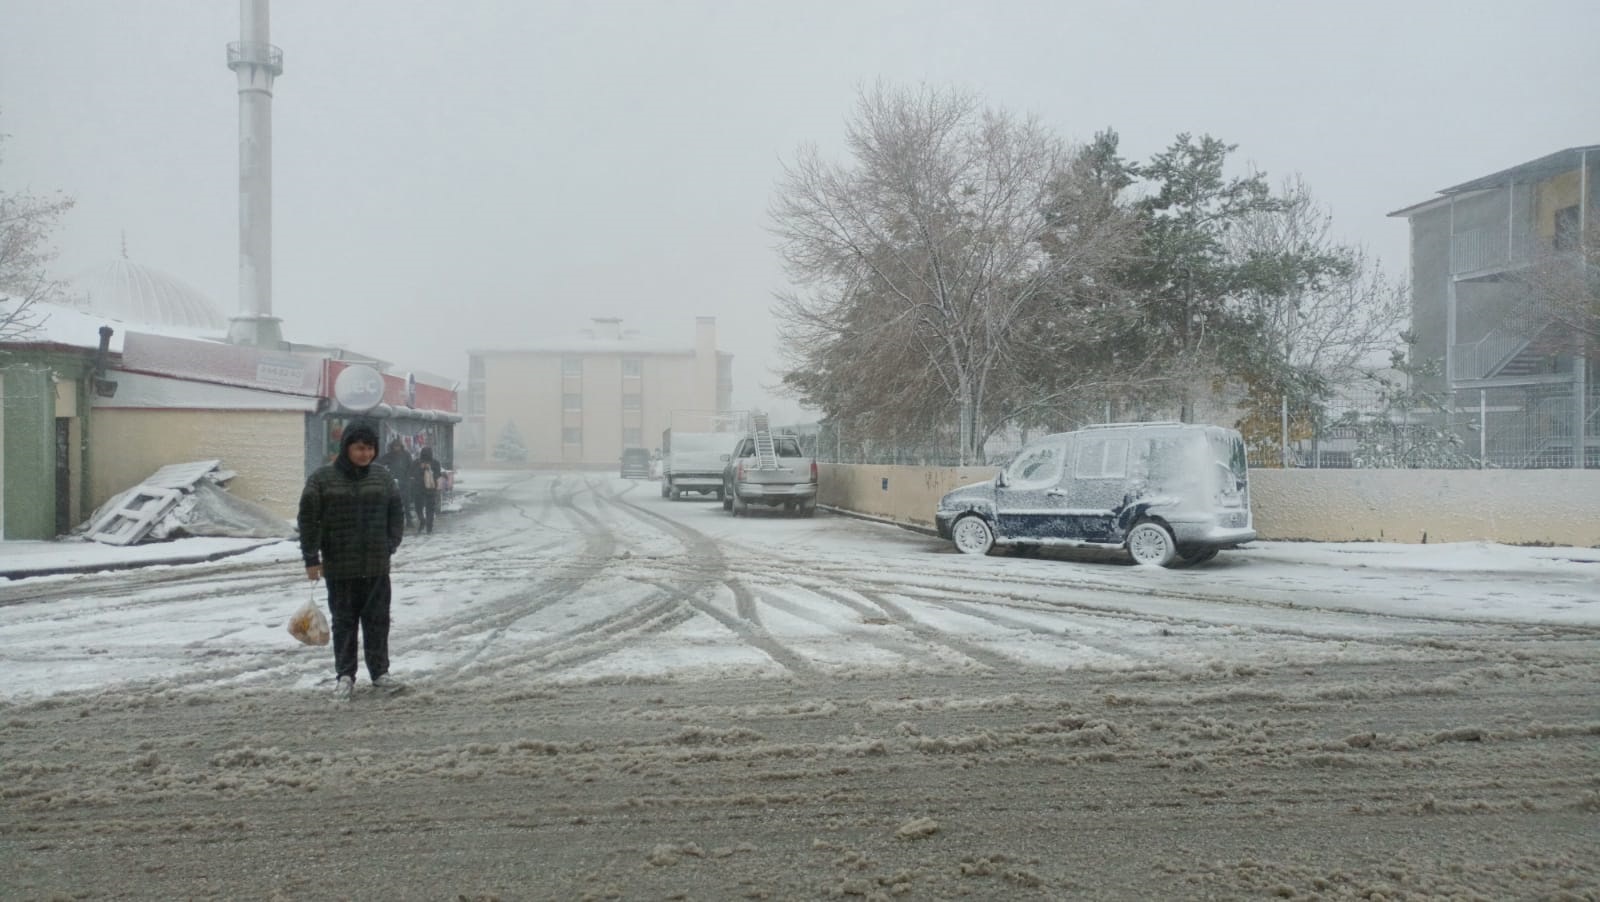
[65, 327]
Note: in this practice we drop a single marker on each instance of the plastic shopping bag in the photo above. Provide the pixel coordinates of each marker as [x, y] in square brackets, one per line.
[309, 624]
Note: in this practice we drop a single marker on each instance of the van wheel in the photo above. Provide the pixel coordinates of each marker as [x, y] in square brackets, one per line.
[972, 535]
[1151, 545]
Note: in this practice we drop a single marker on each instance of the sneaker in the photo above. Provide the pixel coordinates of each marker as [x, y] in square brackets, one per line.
[387, 683]
[345, 688]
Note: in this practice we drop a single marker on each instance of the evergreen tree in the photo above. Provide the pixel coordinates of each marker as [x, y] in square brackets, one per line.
[509, 447]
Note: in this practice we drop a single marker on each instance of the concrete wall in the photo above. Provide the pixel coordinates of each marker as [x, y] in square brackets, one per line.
[266, 449]
[1512, 506]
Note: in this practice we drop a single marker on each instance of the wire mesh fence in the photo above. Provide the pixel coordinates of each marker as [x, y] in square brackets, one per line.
[1509, 427]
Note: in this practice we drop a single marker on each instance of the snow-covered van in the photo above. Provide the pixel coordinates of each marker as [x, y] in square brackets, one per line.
[1163, 492]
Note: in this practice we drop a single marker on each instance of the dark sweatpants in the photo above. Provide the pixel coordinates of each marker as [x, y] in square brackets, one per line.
[427, 504]
[362, 600]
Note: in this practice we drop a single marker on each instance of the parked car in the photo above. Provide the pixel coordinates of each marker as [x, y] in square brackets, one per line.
[635, 463]
[792, 484]
[1162, 492]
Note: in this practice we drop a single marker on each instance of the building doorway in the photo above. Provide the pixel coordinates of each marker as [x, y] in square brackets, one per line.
[63, 475]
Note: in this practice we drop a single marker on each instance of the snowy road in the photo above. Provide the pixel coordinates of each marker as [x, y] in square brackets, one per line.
[625, 697]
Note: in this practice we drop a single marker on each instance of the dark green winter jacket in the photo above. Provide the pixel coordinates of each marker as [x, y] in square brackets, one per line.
[351, 520]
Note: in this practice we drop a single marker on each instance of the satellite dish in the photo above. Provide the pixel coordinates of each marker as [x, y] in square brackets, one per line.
[358, 387]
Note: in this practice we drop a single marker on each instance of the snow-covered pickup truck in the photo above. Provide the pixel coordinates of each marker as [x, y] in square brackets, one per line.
[693, 462]
[788, 478]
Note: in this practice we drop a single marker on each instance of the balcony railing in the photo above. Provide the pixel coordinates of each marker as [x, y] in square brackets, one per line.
[1479, 250]
[1479, 359]
[255, 54]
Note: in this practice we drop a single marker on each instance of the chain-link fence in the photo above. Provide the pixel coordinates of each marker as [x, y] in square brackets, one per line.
[1517, 427]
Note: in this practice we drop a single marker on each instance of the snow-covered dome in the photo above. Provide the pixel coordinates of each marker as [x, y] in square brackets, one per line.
[134, 293]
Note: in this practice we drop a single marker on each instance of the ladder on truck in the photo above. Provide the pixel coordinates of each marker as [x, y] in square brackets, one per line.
[766, 454]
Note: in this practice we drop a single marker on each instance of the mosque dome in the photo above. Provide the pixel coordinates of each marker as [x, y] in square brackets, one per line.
[138, 294]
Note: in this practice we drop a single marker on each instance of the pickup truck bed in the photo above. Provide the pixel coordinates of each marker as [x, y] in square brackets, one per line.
[792, 484]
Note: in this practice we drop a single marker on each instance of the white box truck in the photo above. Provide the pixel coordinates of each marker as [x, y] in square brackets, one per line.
[693, 461]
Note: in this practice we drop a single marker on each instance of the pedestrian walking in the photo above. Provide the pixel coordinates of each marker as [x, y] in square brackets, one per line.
[427, 477]
[397, 460]
[352, 519]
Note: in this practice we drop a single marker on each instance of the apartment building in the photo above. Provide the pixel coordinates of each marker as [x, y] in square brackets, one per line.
[579, 401]
[1493, 262]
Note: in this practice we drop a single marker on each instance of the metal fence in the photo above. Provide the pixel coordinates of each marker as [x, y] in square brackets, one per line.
[1520, 427]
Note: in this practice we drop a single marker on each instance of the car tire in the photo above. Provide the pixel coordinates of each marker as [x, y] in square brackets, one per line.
[973, 535]
[665, 490]
[676, 493]
[809, 509]
[1151, 545]
[739, 507]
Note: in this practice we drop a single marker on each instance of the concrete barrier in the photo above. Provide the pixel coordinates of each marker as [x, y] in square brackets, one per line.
[1515, 507]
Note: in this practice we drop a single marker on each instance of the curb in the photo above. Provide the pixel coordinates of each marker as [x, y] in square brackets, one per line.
[72, 569]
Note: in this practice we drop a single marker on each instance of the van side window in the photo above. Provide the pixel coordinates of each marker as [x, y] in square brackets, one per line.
[1036, 467]
[1102, 458]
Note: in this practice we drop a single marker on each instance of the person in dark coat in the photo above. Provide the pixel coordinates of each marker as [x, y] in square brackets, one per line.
[427, 476]
[352, 519]
[397, 460]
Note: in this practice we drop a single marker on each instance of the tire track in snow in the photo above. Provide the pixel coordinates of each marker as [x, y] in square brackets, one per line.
[706, 578]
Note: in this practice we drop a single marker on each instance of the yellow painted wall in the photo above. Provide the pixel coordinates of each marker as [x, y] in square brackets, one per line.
[266, 449]
[1511, 506]
[1556, 193]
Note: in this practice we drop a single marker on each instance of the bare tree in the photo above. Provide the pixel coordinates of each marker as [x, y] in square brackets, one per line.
[922, 261]
[26, 223]
[1561, 290]
[1332, 310]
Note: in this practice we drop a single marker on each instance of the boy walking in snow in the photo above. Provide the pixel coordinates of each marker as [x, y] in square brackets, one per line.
[352, 519]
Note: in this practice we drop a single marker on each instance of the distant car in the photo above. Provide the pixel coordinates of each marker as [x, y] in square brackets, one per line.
[635, 463]
[1162, 492]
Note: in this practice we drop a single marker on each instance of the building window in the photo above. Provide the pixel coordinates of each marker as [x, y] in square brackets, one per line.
[632, 438]
[572, 366]
[572, 401]
[632, 402]
[572, 436]
[632, 366]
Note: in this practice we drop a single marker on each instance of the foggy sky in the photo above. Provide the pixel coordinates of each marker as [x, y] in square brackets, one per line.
[489, 174]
